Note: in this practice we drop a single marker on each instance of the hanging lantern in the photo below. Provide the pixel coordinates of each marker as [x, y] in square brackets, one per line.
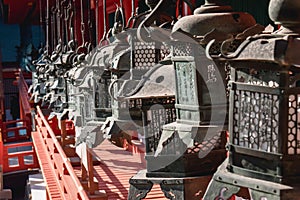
[264, 104]
[190, 149]
[128, 68]
[201, 102]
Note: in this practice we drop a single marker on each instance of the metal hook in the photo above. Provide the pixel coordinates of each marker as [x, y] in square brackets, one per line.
[104, 24]
[154, 15]
[109, 32]
[120, 14]
[110, 88]
[82, 25]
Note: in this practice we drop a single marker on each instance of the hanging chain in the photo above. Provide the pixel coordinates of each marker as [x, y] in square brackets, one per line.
[66, 19]
[53, 35]
[41, 22]
[72, 23]
[67, 8]
[97, 20]
[47, 28]
[122, 15]
[180, 7]
[82, 27]
[104, 23]
[90, 24]
[133, 14]
[62, 6]
[58, 20]
[82, 47]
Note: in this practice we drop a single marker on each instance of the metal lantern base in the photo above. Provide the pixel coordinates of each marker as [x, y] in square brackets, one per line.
[206, 151]
[224, 184]
[186, 165]
[191, 188]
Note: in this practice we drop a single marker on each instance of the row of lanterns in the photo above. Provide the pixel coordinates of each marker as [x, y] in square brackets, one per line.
[181, 90]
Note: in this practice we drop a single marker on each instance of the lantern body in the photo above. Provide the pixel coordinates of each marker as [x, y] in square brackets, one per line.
[129, 106]
[195, 144]
[264, 103]
[198, 127]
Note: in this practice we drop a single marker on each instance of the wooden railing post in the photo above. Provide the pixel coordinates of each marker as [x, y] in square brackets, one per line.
[89, 181]
[93, 185]
[66, 142]
[63, 131]
[25, 107]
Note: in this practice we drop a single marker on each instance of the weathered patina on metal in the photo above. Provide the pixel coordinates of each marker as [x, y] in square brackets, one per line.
[90, 83]
[194, 145]
[264, 104]
[201, 102]
[129, 69]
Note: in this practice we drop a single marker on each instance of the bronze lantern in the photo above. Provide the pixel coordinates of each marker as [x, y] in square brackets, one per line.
[263, 113]
[201, 102]
[191, 148]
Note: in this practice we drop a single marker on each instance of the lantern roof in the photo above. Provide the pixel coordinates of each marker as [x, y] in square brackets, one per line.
[157, 83]
[279, 48]
[215, 16]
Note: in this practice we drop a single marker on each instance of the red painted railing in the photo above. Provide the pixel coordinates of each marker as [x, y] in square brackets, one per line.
[70, 128]
[55, 165]
[17, 156]
[16, 131]
[25, 107]
[19, 130]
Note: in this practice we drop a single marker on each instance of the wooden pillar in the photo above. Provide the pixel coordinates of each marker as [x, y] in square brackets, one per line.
[87, 171]
[63, 131]
[66, 143]
[92, 185]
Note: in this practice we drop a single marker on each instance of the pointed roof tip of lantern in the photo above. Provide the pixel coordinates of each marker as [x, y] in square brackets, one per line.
[214, 6]
[286, 13]
[214, 15]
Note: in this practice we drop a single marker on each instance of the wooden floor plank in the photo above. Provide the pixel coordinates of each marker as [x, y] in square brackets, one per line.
[117, 166]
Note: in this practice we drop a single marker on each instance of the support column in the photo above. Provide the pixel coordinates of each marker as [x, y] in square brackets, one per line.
[88, 181]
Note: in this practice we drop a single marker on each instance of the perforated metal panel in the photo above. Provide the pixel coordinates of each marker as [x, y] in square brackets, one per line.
[264, 122]
[256, 119]
[164, 51]
[205, 146]
[182, 49]
[158, 112]
[293, 124]
[144, 55]
[147, 55]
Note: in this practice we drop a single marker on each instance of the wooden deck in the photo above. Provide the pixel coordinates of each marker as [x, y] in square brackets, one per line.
[116, 167]
[62, 179]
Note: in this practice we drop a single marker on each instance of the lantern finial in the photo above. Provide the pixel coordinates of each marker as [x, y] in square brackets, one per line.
[212, 6]
[286, 13]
